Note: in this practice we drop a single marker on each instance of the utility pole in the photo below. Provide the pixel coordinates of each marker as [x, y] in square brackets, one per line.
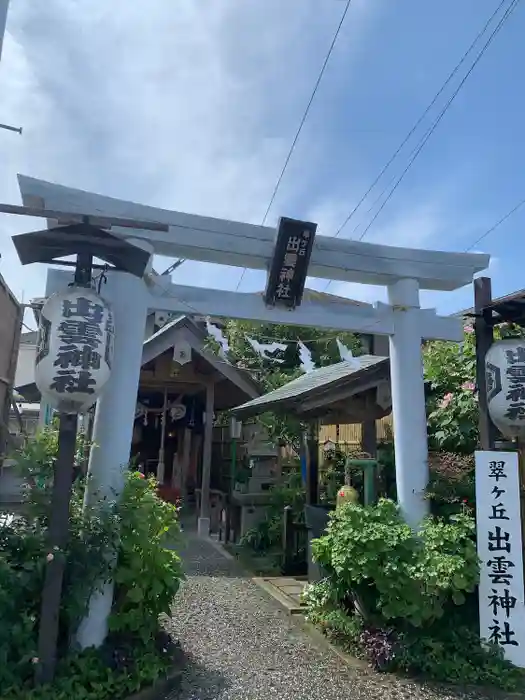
[4, 7]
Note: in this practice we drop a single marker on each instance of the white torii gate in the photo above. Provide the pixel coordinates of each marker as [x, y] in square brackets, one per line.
[403, 271]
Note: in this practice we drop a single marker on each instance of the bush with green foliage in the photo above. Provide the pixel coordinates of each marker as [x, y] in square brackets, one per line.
[373, 552]
[131, 534]
[405, 601]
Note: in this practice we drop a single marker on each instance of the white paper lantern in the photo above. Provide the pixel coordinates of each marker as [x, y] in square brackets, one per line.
[75, 349]
[505, 377]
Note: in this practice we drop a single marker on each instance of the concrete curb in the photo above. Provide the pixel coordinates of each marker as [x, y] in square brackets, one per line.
[315, 635]
[319, 638]
[283, 601]
[219, 548]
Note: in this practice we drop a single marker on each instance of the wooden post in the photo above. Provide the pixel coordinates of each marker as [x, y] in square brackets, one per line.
[57, 542]
[369, 437]
[204, 518]
[484, 339]
[163, 420]
[312, 466]
[288, 543]
[185, 466]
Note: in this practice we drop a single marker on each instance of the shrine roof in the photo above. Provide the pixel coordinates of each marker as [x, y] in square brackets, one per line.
[328, 385]
[507, 309]
[231, 383]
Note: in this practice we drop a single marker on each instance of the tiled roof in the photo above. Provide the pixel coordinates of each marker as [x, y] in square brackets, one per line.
[318, 378]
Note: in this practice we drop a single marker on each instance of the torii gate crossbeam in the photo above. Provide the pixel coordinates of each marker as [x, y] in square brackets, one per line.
[247, 245]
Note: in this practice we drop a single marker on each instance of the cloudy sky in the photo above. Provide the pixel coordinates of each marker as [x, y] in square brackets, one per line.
[192, 105]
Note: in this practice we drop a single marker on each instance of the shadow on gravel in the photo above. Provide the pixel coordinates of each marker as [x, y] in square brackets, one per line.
[198, 683]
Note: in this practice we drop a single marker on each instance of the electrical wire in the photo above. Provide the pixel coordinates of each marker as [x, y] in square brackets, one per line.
[421, 118]
[496, 225]
[303, 121]
[445, 109]
[440, 116]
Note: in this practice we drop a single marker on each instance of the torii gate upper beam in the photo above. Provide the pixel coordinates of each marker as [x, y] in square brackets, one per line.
[247, 245]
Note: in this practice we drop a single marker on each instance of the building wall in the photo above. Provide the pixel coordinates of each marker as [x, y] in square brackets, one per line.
[25, 368]
[10, 326]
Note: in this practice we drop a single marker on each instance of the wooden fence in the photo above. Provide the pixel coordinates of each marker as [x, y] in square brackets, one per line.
[350, 435]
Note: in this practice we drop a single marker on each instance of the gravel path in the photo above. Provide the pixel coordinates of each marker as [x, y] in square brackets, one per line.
[241, 646]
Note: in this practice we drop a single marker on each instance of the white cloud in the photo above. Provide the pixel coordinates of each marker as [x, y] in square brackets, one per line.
[188, 105]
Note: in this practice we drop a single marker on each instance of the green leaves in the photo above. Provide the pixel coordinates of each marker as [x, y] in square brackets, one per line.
[148, 574]
[384, 582]
[453, 408]
[413, 577]
[134, 533]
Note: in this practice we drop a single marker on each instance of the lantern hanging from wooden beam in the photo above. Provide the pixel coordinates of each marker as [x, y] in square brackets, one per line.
[75, 349]
[505, 378]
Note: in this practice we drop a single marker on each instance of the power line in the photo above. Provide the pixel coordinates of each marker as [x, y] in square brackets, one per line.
[421, 118]
[302, 122]
[440, 116]
[496, 225]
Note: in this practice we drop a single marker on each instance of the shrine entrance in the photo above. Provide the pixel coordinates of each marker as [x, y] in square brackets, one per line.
[403, 271]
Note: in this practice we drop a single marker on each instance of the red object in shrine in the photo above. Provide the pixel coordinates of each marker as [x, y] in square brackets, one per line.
[169, 494]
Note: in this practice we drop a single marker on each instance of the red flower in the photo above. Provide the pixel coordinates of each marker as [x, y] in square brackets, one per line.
[465, 501]
[341, 493]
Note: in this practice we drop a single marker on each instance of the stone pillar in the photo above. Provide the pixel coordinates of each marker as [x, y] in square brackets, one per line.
[203, 526]
[408, 402]
[113, 426]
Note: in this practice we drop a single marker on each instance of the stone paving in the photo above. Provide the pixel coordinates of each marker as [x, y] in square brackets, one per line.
[285, 587]
[241, 646]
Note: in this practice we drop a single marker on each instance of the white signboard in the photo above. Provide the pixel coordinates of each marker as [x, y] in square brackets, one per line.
[501, 596]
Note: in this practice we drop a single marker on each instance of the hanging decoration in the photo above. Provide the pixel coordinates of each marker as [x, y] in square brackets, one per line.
[305, 357]
[75, 349]
[384, 395]
[268, 350]
[219, 337]
[505, 377]
[265, 350]
[346, 355]
[182, 352]
[177, 411]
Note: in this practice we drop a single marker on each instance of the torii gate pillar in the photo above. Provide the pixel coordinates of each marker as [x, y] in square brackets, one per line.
[113, 427]
[408, 402]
